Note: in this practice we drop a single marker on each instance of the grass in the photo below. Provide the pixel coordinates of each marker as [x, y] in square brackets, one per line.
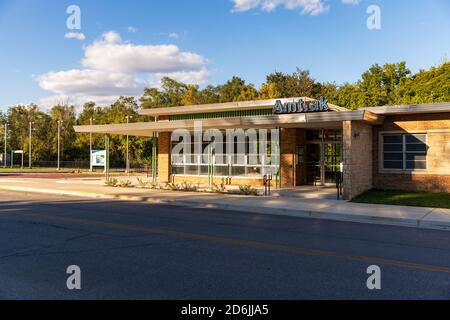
[406, 198]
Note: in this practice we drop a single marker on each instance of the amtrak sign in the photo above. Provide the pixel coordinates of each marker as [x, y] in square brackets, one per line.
[301, 106]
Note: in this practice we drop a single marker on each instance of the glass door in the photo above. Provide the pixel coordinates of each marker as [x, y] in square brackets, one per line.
[313, 164]
[332, 153]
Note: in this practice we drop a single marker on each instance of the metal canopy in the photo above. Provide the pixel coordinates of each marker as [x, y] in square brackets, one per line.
[305, 120]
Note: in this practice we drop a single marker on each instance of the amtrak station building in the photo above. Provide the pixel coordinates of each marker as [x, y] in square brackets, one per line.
[395, 147]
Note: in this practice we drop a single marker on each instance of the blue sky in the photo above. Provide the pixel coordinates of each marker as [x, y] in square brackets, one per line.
[131, 44]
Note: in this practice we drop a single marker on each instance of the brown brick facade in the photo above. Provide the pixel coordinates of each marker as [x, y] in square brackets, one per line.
[164, 157]
[288, 143]
[357, 157]
[437, 176]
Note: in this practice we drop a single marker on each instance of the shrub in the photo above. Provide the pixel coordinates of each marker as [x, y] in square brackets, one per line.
[218, 188]
[188, 187]
[125, 184]
[111, 182]
[248, 190]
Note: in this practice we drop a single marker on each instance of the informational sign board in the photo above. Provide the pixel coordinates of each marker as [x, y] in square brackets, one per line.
[98, 158]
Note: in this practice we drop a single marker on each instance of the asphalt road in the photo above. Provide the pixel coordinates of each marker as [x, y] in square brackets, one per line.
[130, 250]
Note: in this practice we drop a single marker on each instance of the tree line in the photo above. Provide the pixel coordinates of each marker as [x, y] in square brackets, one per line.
[389, 84]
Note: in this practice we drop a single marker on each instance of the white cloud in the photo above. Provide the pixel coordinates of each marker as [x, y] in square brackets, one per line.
[174, 35]
[90, 82]
[113, 68]
[75, 35]
[191, 77]
[111, 54]
[312, 7]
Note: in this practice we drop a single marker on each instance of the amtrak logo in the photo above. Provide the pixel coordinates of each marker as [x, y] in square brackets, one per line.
[301, 106]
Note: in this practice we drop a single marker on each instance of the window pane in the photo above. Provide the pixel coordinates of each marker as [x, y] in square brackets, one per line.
[393, 164]
[237, 171]
[254, 171]
[416, 147]
[177, 169]
[416, 138]
[421, 165]
[221, 171]
[393, 147]
[393, 156]
[203, 170]
[416, 157]
[191, 170]
[393, 139]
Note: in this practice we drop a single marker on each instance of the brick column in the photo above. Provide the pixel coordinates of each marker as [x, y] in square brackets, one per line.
[164, 157]
[288, 140]
[358, 161]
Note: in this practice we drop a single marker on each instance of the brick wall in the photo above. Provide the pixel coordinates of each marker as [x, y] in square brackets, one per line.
[164, 156]
[288, 142]
[357, 154]
[437, 176]
[219, 181]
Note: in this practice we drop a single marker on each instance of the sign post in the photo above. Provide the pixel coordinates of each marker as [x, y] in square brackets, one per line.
[154, 158]
[107, 157]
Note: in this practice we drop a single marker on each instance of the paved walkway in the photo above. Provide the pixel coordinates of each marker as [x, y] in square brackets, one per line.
[93, 187]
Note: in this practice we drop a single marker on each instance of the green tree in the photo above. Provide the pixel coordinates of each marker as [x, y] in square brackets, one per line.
[237, 90]
[428, 86]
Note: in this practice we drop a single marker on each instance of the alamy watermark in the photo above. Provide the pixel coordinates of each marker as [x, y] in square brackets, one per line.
[374, 19]
[374, 280]
[231, 146]
[74, 280]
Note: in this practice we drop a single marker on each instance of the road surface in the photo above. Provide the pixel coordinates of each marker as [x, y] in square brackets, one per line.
[132, 250]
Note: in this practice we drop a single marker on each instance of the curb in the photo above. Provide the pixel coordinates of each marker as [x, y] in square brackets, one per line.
[412, 223]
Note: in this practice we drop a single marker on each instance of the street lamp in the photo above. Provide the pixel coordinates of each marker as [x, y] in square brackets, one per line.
[6, 132]
[127, 169]
[59, 143]
[90, 144]
[29, 145]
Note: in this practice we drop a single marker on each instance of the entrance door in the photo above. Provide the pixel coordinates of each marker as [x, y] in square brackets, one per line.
[313, 164]
[332, 161]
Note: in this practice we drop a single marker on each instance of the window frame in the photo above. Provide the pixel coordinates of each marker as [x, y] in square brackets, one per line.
[404, 152]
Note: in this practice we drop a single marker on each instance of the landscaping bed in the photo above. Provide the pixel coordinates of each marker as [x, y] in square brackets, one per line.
[405, 198]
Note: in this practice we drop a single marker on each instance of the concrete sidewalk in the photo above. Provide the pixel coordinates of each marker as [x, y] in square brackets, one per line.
[429, 218]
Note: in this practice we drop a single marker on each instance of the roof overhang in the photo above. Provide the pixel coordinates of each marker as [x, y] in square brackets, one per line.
[299, 120]
[411, 109]
[224, 107]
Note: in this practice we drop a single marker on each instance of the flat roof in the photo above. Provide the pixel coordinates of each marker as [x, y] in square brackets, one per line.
[223, 107]
[298, 120]
[410, 108]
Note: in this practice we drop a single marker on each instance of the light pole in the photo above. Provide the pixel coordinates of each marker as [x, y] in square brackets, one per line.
[59, 142]
[6, 132]
[90, 145]
[29, 146]
[127, 169]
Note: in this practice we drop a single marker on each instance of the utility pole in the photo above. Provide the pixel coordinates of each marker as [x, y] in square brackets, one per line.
[127, 169]
[59, 143]
[6, 132]
[29, 146]
[90, 145]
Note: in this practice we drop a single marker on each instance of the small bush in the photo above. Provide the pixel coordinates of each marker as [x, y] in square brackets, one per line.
[187, 187]
[112, 182]
[218, 188]
[248, 190]
[125, 184]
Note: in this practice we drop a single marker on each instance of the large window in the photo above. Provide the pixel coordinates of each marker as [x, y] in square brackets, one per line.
[404, 151]
[246, 159]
